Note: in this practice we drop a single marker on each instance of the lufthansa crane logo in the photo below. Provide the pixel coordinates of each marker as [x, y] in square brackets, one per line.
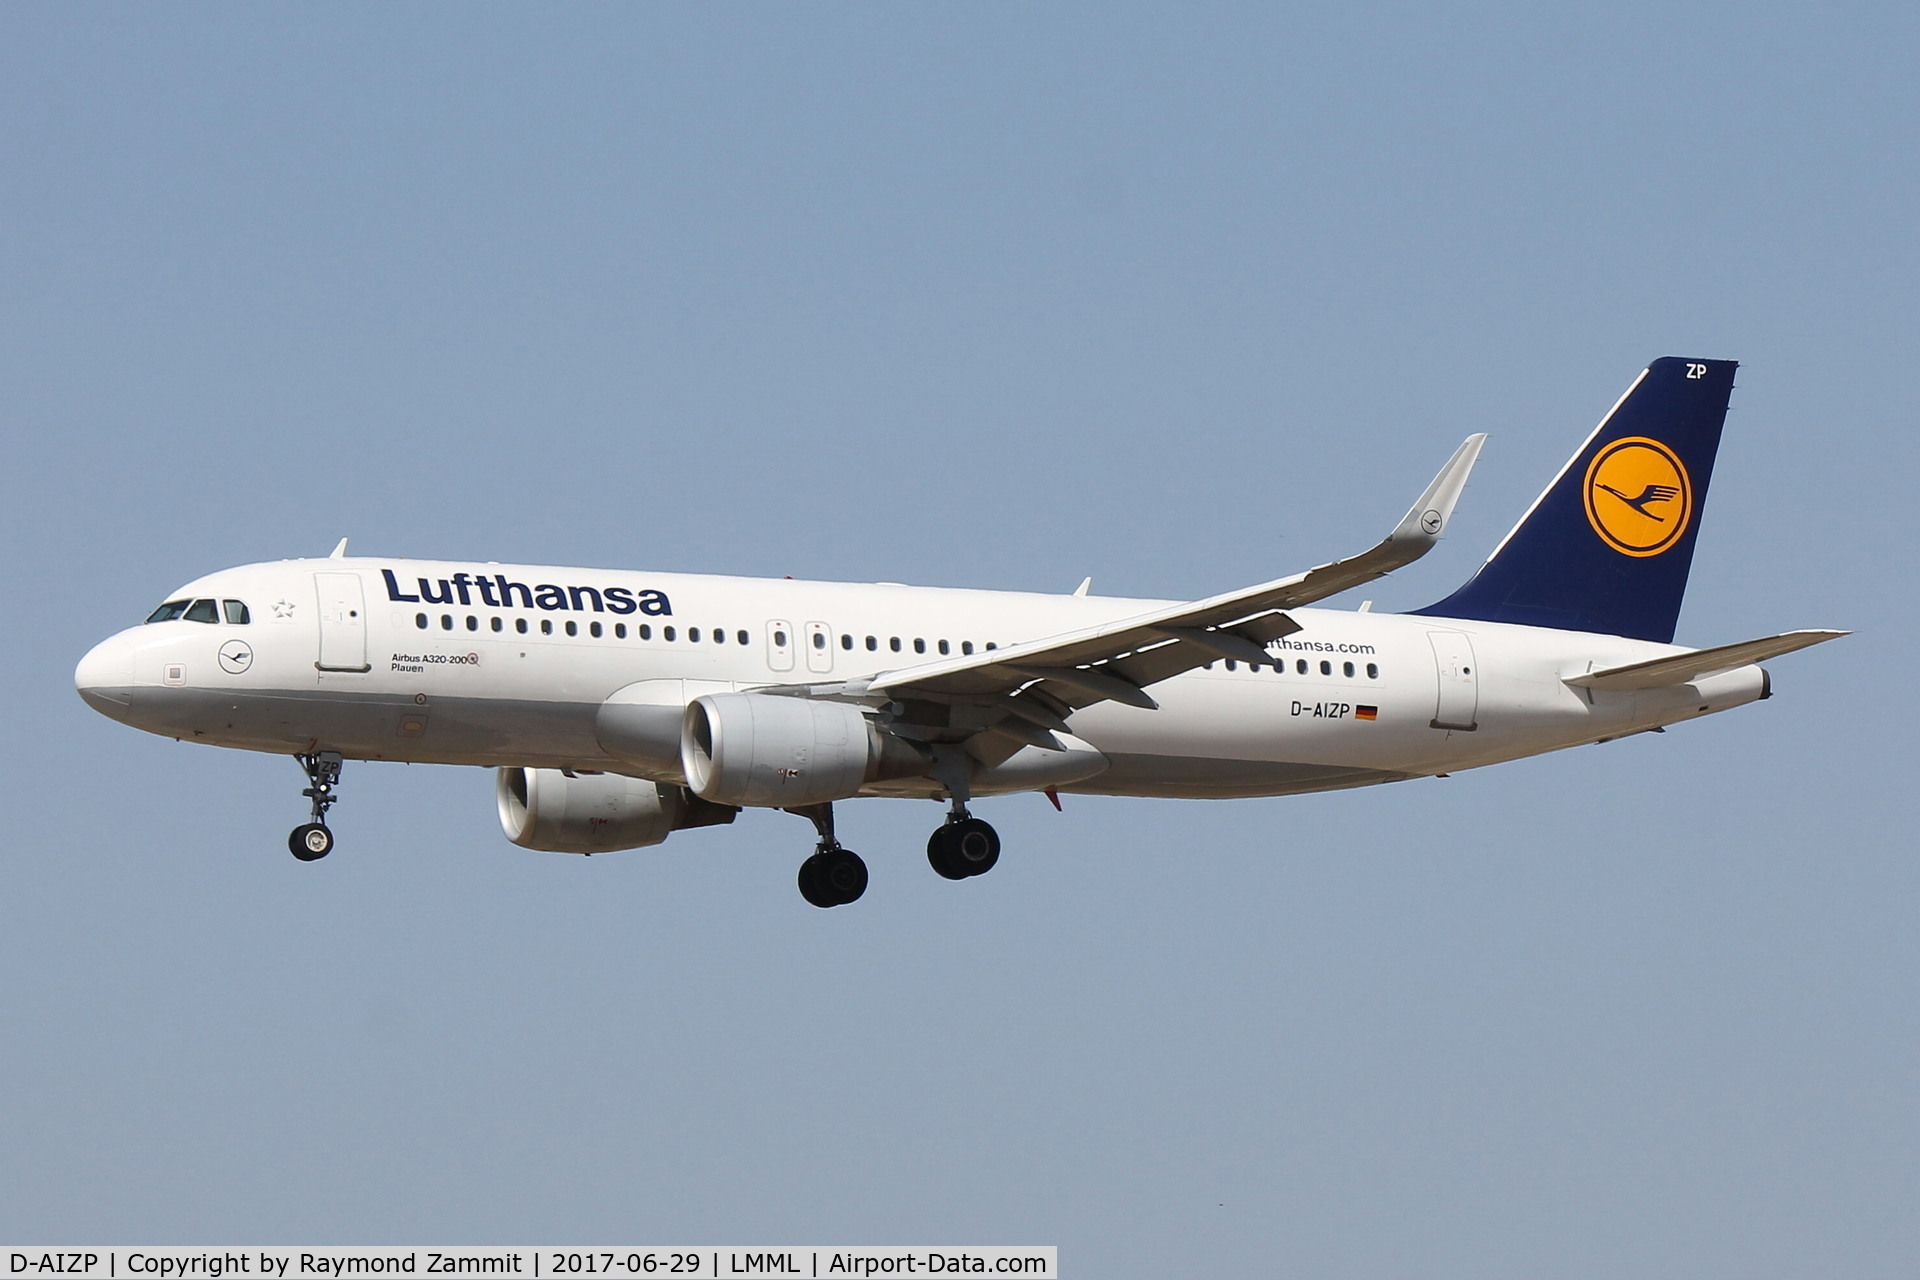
[1639, 498]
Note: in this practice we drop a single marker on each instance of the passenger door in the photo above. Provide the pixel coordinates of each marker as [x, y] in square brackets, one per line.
[343, 622]
[1459, 700]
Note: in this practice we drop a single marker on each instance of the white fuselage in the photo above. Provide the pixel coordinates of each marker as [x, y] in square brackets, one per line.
[339, 655]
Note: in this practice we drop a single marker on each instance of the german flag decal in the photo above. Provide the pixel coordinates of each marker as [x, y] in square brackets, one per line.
[1364, 712]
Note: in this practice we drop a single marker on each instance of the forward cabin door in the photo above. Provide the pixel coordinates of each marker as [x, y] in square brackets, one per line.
[343, 622]
[1459, 700]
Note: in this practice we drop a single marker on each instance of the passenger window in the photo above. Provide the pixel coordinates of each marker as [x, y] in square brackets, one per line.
[943, 647]
[693, 635]
[1373, 671]
[1231, 665]
[719, 635]
[819, 639]
[919, 646]
[744, 638]
[619, 631]
[168, 612]
[202, 611]
[779, 639]
[446, 622]
[873, 645]
[473, 623]
[846, 642]
[546, 626]
[1326, 668]
[893, 643]
[573, 628]
[498, 625]
[420, 621]
[1301, 666]
[237, 614]
[966, 646]
[593, 628]
[644, 631]
[666, 633]
[520, 625]
[1346, 669]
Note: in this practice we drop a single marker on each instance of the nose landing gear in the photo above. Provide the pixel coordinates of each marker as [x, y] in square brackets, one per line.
[312, 840]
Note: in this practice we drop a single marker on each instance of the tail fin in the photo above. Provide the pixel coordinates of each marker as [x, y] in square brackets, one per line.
[1607, 547]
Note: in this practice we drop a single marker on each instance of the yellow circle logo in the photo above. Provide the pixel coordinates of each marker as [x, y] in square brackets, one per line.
[1639, 498]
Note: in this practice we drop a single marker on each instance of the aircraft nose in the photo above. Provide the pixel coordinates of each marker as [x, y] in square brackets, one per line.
[105, 677]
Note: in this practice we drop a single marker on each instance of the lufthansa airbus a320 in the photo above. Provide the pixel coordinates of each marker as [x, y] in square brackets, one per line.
[619, 707]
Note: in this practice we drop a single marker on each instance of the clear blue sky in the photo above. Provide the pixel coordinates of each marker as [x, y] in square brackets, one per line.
[1180, 297]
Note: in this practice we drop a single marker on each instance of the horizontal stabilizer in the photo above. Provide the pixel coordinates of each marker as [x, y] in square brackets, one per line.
[1701, 663]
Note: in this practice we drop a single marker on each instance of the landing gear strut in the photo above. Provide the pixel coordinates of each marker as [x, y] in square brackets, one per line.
[312, 840]
[966, 845]
[833, 876]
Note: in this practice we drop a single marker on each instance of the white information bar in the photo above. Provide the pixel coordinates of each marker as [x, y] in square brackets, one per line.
[690, 1262]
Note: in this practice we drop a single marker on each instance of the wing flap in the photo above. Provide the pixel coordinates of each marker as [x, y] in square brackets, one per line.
[1700, 663]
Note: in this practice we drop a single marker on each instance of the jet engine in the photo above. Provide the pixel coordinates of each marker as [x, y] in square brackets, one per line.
[766, 750]
[560, 812]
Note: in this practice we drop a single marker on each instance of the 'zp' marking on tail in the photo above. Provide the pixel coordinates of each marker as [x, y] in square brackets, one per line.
[1637, 473]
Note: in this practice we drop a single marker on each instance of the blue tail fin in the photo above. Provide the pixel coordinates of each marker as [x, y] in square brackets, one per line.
[1607, 547]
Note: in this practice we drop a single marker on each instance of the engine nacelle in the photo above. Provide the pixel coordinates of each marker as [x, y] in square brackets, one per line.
[770, 751]
[549, 810]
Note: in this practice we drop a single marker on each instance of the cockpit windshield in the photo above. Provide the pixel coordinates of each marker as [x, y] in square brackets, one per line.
[203, 611]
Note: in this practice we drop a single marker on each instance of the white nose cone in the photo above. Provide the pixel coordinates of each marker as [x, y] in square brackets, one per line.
[105, 677]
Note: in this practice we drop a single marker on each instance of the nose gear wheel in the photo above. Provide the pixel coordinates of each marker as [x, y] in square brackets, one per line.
[313, 840]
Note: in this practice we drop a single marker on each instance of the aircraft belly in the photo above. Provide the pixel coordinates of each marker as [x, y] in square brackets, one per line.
[1197, 778]
[376, 726]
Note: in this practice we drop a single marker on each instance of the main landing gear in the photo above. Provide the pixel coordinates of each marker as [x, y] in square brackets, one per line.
[966, 845]
[833, 876]
[312, 840]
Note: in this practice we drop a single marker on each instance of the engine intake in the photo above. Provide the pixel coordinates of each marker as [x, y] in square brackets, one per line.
[557, 812]
[777, 752]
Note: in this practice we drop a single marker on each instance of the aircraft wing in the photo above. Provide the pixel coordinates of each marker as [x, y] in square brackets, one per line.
[1116, 661]
[1701, 663]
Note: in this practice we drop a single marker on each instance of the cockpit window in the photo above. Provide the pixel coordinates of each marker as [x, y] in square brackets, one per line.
[168, 611]
[236, 612]
[202, 611]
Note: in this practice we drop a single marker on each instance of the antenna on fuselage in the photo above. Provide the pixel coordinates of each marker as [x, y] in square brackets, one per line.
[339, 552]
